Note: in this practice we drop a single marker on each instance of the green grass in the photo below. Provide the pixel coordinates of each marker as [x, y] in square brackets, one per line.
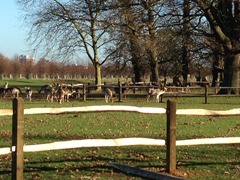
[193, 162]
[34, 83]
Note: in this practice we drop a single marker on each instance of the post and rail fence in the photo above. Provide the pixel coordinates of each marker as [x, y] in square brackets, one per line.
[18, 148]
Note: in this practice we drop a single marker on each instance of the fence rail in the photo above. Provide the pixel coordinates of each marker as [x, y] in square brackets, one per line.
[186, 91]
[131, 141]
[116, 108]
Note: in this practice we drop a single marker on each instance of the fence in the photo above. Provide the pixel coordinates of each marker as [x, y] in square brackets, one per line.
[18, 147]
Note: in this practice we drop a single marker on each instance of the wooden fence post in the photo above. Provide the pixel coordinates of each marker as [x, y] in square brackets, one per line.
[84, 92]
[17, 139]
[120, 91]
[171, 137]
[206, 94]
[134, 90]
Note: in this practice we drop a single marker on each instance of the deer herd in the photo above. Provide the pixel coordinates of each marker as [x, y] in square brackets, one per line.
[62, 93]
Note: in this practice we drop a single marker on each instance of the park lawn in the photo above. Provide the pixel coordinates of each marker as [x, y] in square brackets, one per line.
[193, 162]
[35, 84]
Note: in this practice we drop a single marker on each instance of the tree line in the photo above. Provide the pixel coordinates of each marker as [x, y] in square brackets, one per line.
[150, 36]
[45, 68]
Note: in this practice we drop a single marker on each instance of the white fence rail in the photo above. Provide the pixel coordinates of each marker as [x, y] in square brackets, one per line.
[118, 142]
[112, 108]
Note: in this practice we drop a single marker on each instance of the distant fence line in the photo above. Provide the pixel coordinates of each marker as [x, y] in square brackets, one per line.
[127, 78]
[18, 147]
[171, 90]
[62, 77]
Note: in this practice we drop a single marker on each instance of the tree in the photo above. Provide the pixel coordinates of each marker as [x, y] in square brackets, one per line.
[152, 46]
[69, 27]
[129, 46]
[17, 70]
[132, 29]
[41, 68]
[3, 66]
[224, 19]
[27, 64]
[170, 52]
[151, 20]
[218, 63]
[138, 25]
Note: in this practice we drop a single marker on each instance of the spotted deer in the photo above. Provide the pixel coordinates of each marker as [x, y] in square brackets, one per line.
[156, 92]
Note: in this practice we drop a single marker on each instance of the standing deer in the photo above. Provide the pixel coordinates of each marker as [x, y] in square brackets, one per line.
[108, 95]
[29, 93]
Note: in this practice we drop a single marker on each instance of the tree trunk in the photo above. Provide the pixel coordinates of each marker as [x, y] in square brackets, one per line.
[236, 72]
[137, 72]
[185, 65]
[154, 72]
[218, 64]
[187, 41]
[215, 77]
[231, 74]
[98, 76]
[152, 47]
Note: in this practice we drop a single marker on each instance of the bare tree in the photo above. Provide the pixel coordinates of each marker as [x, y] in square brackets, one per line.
[70, 27]
[17, 70]
[170, 52]
[147, 24]
[27, 66]
[132, 32]
[224, 19]
[140, 34]
[41, 68]
[54, 69]
[3, 66]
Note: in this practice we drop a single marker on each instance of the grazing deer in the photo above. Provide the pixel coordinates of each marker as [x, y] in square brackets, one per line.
[49, 91]
[63, 94]
[158, 92]
[44, 88]
[2, 92]
[50, 94]
[15, 91]
[108, 95]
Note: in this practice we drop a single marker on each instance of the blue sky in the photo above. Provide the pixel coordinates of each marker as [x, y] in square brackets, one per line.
[13, 34]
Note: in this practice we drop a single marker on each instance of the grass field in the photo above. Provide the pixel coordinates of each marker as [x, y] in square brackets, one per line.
[193, 162]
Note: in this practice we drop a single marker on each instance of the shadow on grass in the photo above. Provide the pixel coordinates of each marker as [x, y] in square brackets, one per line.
[98, 164]
[192, 163]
